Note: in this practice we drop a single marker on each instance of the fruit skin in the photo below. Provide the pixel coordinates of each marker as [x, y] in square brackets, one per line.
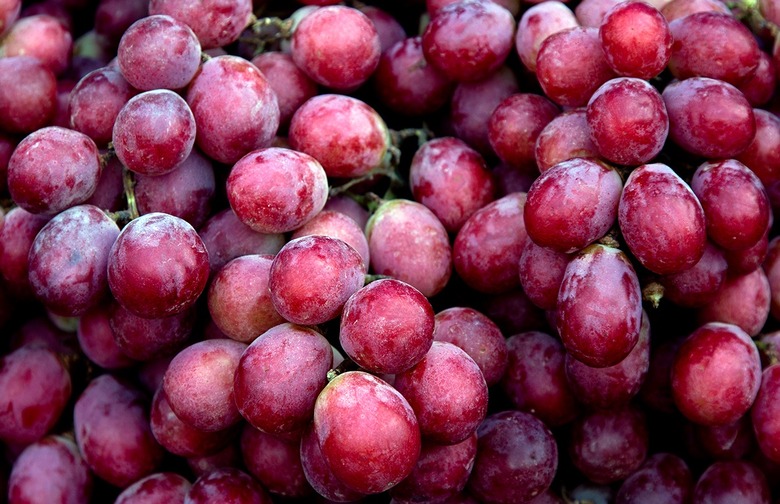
[367, 431]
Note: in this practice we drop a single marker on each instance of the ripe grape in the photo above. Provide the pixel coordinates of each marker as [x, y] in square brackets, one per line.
[29, 98]
[263, 391]
[716, 374]
[699, 284]
[536, 24]
[367, 432]
[95, 102]
[387, 26]
[215, 22]
[572, 204]
[516, 124]
[541, 271]
[227, 484]
[759, 87]
[763, 153]
[41, 36]
[345, 134]
[312, 277]
[457, 42]
[144, 339]
[742, 300]
[174, 278]
[53, 169]
[664, 478]
[96, 339]
[764, 415]
[337, 47]
[599, 311]
[337, 225]
[275, 462]
[677, 9]
[319, 474]
[661, 219]
[731, 481]
[291, 85]
[565, 137]
[157, 488]
[517, 457]
[387, 326]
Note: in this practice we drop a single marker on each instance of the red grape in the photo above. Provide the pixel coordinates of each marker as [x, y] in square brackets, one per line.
[337, 225]
[541, 271]
[29, 95]
[716, 374]
[41, 36]
[227, 484]
[516, 124]
[17, 234]
[699, 284]
[677, 9]
[157, 488]
[96, 101]
[764, 414]
[96, 339]
[367, 432]
[732, 481]
[291, 85]
[144, 339]
[215, 22]
[743, 300]
[664, 478]
[319, 474]
[599, 312]
[536, 24]
[661, 220]
[763, 154]
[264, 393]
[275, 462]
[565, 137]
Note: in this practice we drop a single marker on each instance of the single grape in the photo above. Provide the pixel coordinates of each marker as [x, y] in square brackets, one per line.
[43, 37]
[677, 9]
[662, 220]
[541, 271]
[664, 478]
[637, 40]
[227, 484]
[275, 462]
[337, 225]
[764, 415]
[699, 284]
[599, 311]
[743, 300]
[291, 85]
[716, 374]
[565, 137]
[157, 488]
[763, 153]
[95, 102]
[536, 24]
[367, 432]
[516, 124]
[263, 391]
[759, 88]
[388, 28]
[731, 481]
[96, 339]
[145, 339]
[319, 474]
[27, 107]
[215, 22]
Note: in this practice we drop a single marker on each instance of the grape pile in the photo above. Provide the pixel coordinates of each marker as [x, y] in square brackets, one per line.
[440, 251]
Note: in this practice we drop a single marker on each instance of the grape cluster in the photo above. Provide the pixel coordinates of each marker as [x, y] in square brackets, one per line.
[440, 251]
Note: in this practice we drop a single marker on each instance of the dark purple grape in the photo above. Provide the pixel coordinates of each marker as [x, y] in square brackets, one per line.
[764, 414]
[729, 481]
[664, 478]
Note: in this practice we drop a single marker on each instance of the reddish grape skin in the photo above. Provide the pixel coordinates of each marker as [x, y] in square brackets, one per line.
[178, 437]
[387, 326]
[664, 478]
[199, 384]
[730, 54]
[661, 220]
[367, 432]
[656, 391]
[759, 88]
[95, 102]
[111, 423]
[408, 242]
[492, 269]
[737, 218]
[517, 457]
[387, 26]
[312, 277]
[53, 169]
[516, 124]
[7, 146]
[771, 268]
[154, 132]
[636, 39]
[477, 335]
[541, 271]
[239, 301]
[716, 374]
[186, 192]
[157, 488]
[457, 43]
[447, 392]
[344, 134]
[337, 225]
[677, 9]
[215, 22]
[263, 392]
[109, 193]
[28, 107]
[565, 137]
[611, 386]
[571, 65]
[451, 179]
[114, 17]
[699, 284]
[763, 154]
[337, 47]
[41, 36]
[275, 463]
[590, 13]
[599, 312]
[291, 85]
[226, 238]
[227, 484]
[764, 414]
[732, 481]
[36, 388]
[536, 24]
[627, 120]
[319, 474]
[276, 190]
[158, 52]
[9, 13]
[729, 441]
[230, 456]
[407, 84]
[708, 117]
[234, 106]
[609, 445]
[473, 103]
[744, 261]
[96, 339]
[442, 471]
[50, 470]
[572, 205]
[743, 300]
[535, 378]
[68, 260]
[145, 339]
[160, 289]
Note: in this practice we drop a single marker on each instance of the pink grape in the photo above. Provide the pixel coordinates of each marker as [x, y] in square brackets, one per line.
[337, 47]
[319, 474]
[699, 284]
[727, 480]
[602, 277]
[661, 220]
[157, 488]
[536, 24]
[25, 108]
[275, 462]
[96, 101]
[337, 225]
[96, 339]
[565, 137]
[516, 124]
[716, 374]
[742, 300]
[215, 22]
[367, 432]
[41, 36]
[541, 271]
[262, 389]
[763, 152]
[291, 85]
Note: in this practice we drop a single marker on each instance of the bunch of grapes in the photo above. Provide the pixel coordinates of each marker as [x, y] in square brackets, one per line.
[440, 251]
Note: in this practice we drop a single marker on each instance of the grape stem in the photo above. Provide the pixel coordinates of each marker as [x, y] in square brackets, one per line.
[129, 184]
[268, 31]
[346, 365]
[653, 293]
